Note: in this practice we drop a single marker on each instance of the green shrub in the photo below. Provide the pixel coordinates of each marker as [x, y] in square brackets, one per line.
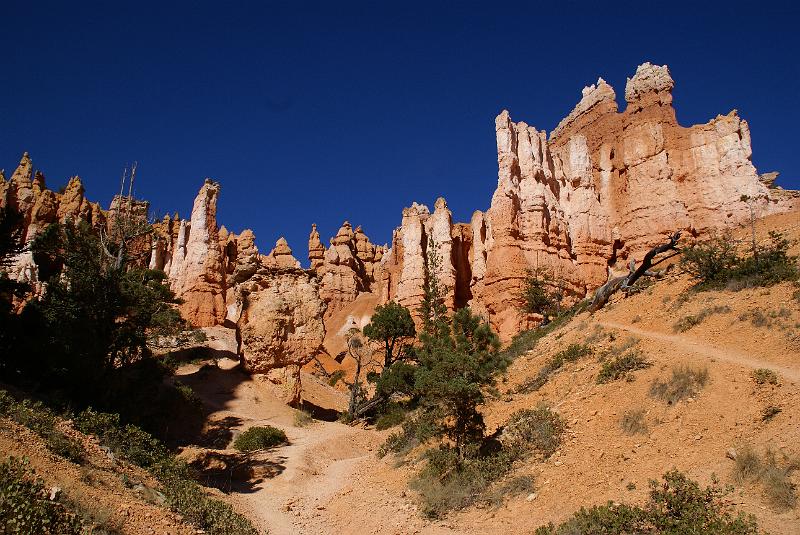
[683, 383]
[416, 430]
[620, 366]
[259, 438]
[25, 505]
[764, 376]
[38, 418]
[183, 495]
[527, 340]
[335, 377]
[711, 261]
[393, 415]
[676, 506]
[717, 263]
[126, 441]
[634, 422]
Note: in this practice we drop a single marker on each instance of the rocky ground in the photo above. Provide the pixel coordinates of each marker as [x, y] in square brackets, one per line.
[329, 479]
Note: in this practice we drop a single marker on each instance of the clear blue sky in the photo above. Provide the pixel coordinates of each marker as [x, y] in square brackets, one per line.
[320, 112]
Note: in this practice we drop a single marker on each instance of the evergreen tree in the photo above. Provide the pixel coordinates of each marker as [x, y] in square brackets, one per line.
[457, 361]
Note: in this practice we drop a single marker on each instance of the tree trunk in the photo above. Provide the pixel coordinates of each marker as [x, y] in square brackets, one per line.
[604, 293]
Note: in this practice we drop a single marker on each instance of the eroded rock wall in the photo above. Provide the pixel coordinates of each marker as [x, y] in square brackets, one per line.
[603, 188]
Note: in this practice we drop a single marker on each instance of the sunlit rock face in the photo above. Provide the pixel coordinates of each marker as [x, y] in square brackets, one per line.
[602, 188]
[197, 271]
[26, 194]
[280, 325]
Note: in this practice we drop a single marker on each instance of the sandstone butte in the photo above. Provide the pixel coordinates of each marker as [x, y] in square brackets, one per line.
[600, 190]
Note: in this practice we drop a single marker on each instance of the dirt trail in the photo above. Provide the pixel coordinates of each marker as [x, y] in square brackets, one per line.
[701, 348]
[323, 459]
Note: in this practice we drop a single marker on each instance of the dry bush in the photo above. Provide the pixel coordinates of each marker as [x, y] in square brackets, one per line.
[687, 322]
[773, 474]
[621, 366]
[683, 383]
[302, 418]
[634, 422]
[764, 376]
[571, 354]
[769, 412]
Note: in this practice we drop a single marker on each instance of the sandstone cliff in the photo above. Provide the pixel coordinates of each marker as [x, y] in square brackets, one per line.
[602, 188]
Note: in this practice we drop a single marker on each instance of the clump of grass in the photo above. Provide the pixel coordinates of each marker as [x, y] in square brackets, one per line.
[634, 422]
[538, 430]
[683, 383]
[770, 412]
[687, 322]
[512, 487]
[449, 481]
[748, 465]
[764, 376]
[335, 377]
[621, 366]
[571, 354]
[416, 430]
[597, 334]
[636, 319]
[302, 418]
[260, 438]
[774, 475]
[759, 318]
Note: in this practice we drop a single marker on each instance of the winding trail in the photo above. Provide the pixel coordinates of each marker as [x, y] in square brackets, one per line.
[322, 462]
[701, 348]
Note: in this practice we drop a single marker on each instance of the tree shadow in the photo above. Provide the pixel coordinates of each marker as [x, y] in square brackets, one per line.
[218, 434]
[237, 472]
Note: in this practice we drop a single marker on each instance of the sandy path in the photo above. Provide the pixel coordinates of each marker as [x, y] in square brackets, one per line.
[319, 461]
[701, 348]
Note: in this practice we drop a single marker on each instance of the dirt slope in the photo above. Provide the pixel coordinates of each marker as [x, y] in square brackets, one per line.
[329, 479]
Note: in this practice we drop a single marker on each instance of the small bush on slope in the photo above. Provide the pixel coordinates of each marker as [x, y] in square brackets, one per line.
[687, 322]
[773, 475]
[25, 505]
[447, 482]
[183, 494]
[764, 376]
[717, 263]
[570, 354]
[42, 421]
[259, 438]
[683, 383]
[620, 366]
[677, 506]
[634, 422]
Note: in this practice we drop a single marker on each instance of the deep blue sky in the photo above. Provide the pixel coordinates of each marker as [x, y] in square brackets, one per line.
[320, 112]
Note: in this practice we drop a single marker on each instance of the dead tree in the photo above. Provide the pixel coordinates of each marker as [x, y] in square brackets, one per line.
[126, 224]
[623, 282]
[365, 360]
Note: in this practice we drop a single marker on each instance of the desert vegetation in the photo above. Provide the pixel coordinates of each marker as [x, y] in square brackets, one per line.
[684, 382]
[720, 262]
[676, 505]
